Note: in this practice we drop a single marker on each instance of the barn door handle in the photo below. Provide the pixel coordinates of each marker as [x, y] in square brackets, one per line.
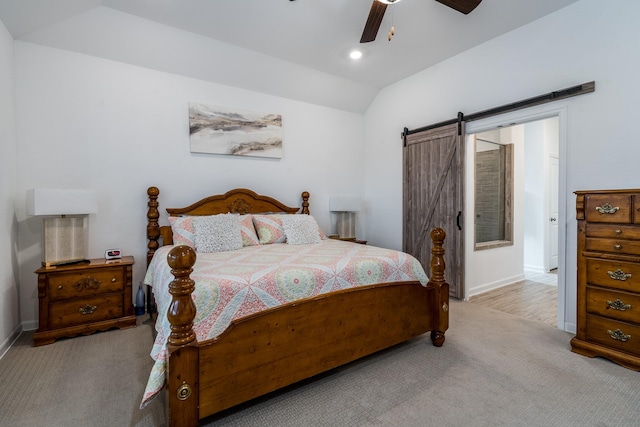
[458, 220]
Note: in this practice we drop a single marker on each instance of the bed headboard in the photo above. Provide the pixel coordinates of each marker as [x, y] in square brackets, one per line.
[240, 200]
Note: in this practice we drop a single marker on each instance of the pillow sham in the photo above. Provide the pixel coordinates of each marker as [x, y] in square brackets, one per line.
[300, 229]
[217, 233]
[182, 229]
[269, 228]
[248, 231]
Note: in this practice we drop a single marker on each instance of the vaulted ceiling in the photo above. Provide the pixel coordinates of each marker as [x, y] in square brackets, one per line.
[318, 34]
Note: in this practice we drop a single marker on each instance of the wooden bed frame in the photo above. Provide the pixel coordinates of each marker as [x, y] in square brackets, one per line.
[266, 351]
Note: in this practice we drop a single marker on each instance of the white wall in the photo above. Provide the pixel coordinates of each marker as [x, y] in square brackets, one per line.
[588, 40]
[9, 292]
[91, 123]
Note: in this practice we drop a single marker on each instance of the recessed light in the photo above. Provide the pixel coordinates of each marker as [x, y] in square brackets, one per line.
[355, 54]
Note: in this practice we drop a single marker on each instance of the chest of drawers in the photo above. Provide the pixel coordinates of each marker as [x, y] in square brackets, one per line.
[608, 294]
[84, 298]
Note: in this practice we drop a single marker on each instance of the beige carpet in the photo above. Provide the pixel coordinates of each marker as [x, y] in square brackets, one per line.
[494, 370]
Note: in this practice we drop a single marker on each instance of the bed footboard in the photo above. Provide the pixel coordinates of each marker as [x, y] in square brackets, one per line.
[267, 351]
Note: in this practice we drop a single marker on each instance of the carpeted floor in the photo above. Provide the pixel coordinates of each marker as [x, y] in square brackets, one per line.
[494, 369]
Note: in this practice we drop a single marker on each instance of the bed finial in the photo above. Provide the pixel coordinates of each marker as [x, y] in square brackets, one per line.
[305, 203]
[153, 229]
[182, 309]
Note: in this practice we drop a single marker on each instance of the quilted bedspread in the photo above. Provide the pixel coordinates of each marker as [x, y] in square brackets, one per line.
[231, 285]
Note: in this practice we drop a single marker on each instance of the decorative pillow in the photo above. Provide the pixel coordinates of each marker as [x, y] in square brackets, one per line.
[182, 229]
[217, 233]
[300, 229]
[269, 228]
[248, 231]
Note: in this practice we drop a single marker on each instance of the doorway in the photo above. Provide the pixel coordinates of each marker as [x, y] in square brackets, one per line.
[539, 223]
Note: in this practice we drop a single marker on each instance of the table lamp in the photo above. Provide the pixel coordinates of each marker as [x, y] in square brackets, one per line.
[64, 235]
[346, 208]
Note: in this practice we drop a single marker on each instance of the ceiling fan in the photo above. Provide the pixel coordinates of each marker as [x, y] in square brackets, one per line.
[378, 8]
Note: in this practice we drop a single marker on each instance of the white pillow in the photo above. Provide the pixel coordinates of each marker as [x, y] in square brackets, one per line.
[300, 229]
[217, 233]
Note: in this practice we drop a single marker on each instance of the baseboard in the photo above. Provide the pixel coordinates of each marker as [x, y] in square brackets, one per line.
[534, 269]
[30, 326]
[6, 344]
[494, 285]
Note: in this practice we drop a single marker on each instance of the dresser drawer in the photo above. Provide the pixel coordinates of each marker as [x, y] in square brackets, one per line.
[609, 208]
[85, 283]
[613, 274]
[613, 334]
[86, 310]
[614, 305]
[613, 231]
[616, 246]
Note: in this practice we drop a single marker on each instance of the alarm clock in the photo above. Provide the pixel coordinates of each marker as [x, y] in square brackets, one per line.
[112, 254]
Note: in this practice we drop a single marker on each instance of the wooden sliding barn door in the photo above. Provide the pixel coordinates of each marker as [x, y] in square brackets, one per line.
[433, 179]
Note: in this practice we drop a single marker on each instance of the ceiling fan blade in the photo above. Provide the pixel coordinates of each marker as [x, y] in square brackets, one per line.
[463, 6]
[373, 22]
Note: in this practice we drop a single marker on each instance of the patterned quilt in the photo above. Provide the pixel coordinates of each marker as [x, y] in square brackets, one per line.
[231, 285]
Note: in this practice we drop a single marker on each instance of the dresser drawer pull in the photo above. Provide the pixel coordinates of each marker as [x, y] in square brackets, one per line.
[618, 231]
[607, 209]
[87, 283]
[114, 280]
[619, 275]
[619, 335]
[618, 305]
[88, 309]
[618, 247]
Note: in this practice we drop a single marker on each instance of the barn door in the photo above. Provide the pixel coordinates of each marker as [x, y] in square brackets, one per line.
[433, 176]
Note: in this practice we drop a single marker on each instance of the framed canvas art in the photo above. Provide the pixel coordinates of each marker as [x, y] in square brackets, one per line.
[220, 130]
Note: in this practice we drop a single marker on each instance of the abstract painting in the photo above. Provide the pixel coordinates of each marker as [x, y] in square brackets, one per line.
[220, 130]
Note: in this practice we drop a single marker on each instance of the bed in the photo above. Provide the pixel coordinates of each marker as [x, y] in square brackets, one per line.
[207, 365]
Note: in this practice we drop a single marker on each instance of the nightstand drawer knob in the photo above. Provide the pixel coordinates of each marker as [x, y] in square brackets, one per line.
[114, 280]
[619, 335]
[88, 309]
[59, 287]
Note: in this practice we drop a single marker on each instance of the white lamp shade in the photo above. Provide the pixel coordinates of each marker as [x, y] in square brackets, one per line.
[345, 204]
[61, 202]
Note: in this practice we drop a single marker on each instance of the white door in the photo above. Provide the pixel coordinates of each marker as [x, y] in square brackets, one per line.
[552, 239]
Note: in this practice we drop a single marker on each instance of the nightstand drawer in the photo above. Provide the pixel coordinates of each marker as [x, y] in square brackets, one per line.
[608, 208]
[615, 305]
[84, 283]
[617, 246]
[85, 310]
[614, 334]
[613, 274]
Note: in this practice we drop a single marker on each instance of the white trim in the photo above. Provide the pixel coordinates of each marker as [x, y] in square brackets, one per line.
[495, 285]
[6, 344]
[528, 115]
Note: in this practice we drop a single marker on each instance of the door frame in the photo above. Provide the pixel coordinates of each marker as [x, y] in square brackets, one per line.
[523, 116]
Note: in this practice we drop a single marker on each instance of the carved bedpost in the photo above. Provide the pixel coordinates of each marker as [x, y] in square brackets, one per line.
[182, 309]
[153, 229]
[305, 202]
[440, 305]
[182, 373]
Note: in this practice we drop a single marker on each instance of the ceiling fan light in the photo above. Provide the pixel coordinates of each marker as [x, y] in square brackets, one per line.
[388, 1]
[355, 54]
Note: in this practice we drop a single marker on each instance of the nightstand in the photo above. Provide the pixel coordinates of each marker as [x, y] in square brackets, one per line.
[347, 239]
[84, 298]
